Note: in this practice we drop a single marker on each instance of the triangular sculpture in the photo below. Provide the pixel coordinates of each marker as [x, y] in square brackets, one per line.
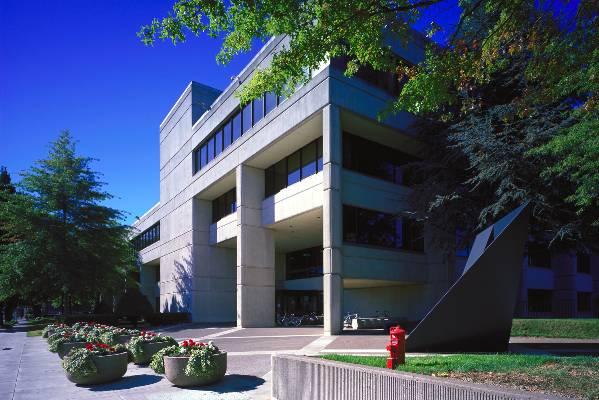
[475, 315]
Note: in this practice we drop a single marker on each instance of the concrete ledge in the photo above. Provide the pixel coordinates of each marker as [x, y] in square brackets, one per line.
[299, 378]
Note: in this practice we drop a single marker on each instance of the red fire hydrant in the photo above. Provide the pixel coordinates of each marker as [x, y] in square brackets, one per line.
[396, 347]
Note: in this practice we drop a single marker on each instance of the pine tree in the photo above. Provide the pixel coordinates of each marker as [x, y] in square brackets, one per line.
[66, 245]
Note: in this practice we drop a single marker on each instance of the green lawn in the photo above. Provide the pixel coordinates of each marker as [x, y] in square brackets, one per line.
[37, 332]
[568, 376]
[557, 328]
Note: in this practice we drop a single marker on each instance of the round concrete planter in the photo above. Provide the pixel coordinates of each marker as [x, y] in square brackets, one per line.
[174, 369]
[123, 339]
[65, 348]
[110, 368]
[149, 349]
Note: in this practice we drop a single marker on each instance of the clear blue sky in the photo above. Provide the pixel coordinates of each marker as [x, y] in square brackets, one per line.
[78, 65]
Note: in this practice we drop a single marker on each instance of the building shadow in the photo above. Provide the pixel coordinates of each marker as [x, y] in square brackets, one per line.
[127, 382]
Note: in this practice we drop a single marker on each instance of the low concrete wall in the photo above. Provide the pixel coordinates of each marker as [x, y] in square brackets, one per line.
[302, 378]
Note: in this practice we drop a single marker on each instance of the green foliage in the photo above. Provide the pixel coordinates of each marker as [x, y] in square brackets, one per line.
[59, 242]
[201, 361]
[135, 345]
[80, 363]
[557, 328]
[157, 363]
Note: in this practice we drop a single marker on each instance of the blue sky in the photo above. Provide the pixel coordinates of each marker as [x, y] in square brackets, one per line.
[79, 66]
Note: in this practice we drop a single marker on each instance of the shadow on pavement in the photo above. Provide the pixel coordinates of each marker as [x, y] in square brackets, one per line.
[233, 383]
[127, 382]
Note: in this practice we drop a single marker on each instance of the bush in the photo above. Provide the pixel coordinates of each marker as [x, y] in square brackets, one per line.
[108, 319]
[133, 305]
[168, 318]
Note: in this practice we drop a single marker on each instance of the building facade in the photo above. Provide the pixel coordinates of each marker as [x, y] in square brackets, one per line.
[289, 205]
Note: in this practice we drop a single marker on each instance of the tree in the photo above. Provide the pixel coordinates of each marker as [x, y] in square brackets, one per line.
[555, 44]
[65, 245]
[8, 297]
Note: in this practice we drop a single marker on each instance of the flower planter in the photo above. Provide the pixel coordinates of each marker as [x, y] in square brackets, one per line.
[174, 369]
[149, 349]
[65, 348]
[110, 368]
[123, 339]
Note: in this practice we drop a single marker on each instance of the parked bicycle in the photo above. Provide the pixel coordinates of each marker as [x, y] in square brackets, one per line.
[347, 320]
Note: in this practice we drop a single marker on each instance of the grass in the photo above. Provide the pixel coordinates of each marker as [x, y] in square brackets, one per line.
[567, 376]
[557, 328]
[37, 332]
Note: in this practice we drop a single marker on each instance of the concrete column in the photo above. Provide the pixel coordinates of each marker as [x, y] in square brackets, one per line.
[332, 221]
[564, 294]
[255, 253]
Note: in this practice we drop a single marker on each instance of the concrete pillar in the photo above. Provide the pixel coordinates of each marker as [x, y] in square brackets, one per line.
[332, 221]
[255, 253]
[564, 293]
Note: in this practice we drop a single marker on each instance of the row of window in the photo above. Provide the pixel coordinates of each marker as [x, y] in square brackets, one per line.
[293, 168]
[539, 256]
[224, 205]
[377, 228]
[541, 301]
[233, 128]
[374, 159]
[147, 237]
[306, 263]
[387, 81]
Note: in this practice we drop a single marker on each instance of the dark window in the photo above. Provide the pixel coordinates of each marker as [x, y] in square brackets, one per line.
[196, 160]
[203, 156]
[246, 119]
[270, 102]
[210, 146]
[377, 228]
[539, 300]
[236, 126]
[294, 168]
[218, 143]
[376, 160]
[319, 154]
[258, 109]
[227, 134]
[583, 301]
[539, 255]
[583, 263]
[306, 263]
[309, 160]
[224, 205]
[147, 237]
[387, 81]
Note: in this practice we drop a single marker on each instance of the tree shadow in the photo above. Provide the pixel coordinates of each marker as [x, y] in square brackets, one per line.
[127, 382]
[182, 275]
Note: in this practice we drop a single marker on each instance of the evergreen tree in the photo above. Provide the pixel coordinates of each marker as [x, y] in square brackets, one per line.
[65, 245]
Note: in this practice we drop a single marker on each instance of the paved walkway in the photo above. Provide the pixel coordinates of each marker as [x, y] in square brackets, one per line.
[29, 371]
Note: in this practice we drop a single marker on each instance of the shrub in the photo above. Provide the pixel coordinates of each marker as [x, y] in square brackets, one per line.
[80, 362]
[168, 318]
[135, 345]
[55, 340]
[201, 357]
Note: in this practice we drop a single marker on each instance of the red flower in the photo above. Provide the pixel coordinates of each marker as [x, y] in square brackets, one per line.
[185, 344]
[89, 346]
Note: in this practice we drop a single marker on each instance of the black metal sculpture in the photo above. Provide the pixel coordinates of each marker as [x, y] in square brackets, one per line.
[475, 315]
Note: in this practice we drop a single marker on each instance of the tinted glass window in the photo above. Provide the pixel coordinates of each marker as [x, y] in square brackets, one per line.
[304, 263]
[218, 143]
[258, 109]
[223, 205]
[583, 301]
[309, 160]
[539, 255]
[210, 145]
[539, 300]
[280, 175]
[246, 118]
[227, 134]
[583, 263]
[319, 149]
[270, 102]
[236, 126]
[203, 156]
[293, 168]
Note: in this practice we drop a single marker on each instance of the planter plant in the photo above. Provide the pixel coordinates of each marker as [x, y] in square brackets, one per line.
[63, 342]
[146, 344]
[51, 329]
[191, 363]
[96, 363]
[116, 336]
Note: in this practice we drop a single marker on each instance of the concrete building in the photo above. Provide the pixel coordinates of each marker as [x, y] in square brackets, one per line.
[289, 204]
